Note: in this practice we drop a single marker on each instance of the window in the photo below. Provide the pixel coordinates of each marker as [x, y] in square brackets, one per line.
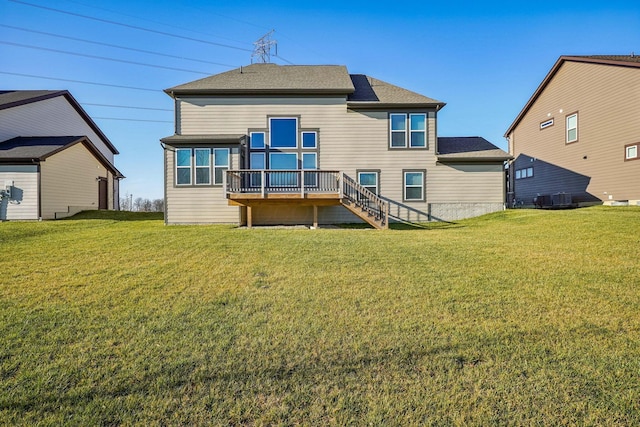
[310, 162]
[524, 173]
[284, 132]
[203, 166]
[418, 130]
[572, 127]
[631, 152]
[256, 161]
[220, 164]
[369, 180]
[283, 161]
[414, 185]
[257, 140]
[183, 166]
[398, 130]
[309, 139]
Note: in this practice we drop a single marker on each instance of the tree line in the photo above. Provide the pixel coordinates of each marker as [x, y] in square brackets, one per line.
[139, 204]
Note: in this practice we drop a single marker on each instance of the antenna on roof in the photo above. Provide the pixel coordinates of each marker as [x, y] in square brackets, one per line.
[262, 48]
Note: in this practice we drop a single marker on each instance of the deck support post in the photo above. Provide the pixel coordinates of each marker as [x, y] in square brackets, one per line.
[249, 219]
[315, 216]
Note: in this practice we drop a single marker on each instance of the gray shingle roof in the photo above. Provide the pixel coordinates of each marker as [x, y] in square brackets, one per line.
[371, 91]
[10, 98]
[362, 91]
[35, 147]
[272, 78]
[38, 148]
[469, 148]
[618, 58]
[203, 139]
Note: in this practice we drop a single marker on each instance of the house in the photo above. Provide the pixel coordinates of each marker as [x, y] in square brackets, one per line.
[577, 139]
[272, 144]
[54, 160]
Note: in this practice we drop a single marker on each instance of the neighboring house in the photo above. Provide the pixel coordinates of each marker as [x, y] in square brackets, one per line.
[577, 140]
[54, 160]
[270, 144]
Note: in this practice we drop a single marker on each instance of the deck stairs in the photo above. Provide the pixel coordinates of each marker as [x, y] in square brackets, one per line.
[365, 204]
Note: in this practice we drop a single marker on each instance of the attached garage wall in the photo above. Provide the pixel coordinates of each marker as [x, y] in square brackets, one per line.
[24, 206]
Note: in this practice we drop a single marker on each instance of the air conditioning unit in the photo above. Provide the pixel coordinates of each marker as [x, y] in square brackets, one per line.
[561, 199]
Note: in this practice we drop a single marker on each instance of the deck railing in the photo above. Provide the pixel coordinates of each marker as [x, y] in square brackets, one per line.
[366, 200]
[269, 181]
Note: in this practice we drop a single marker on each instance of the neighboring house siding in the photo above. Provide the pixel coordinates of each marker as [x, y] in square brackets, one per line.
[24, 205]
[197, 204]
[49, 117]
[348, 141]
[606, 98]
[69, 179]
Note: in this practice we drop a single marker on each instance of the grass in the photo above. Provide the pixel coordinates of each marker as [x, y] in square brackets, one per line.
[522, 317]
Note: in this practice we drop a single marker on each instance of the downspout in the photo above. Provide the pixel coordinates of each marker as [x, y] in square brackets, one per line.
[164, 178]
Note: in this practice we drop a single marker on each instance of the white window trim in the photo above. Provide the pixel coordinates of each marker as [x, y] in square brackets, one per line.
[221, 167]
[392, 131]
[568, 128]
[297, 133]
[376, 174]
[628, 148]
[424, 131]
[190, 167]
[315, 139]
[196, 167]
[406, 186]
[264, 140]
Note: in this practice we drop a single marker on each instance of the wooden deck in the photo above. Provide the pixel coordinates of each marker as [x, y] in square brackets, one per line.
[252, 188]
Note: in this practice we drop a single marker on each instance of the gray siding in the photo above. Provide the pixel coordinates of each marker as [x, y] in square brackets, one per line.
[50, 117]
[348, 141]
[24, 205]
[606, 98]
[197, 204]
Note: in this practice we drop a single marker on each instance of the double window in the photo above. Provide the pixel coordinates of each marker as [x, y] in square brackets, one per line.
[572, 127]
[413, 183]
[201, 166]
[408, 130]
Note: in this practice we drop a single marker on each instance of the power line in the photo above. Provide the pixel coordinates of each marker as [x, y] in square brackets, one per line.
[132, 120]
[288, 62]
[114, 45]
[135, 27]
[79, 81]
[104, 58]
[127, 106]
[152, 21]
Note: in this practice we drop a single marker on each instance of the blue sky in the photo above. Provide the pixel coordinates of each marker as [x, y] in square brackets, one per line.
[484, 59]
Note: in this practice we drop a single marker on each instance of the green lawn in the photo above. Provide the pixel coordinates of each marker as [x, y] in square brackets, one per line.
[524, 317]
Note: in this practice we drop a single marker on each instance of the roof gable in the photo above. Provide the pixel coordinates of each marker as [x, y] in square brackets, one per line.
[611, 60]
[39, 148]
[15, 98]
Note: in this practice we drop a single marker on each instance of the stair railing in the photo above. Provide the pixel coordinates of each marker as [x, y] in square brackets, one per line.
[366, 200]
